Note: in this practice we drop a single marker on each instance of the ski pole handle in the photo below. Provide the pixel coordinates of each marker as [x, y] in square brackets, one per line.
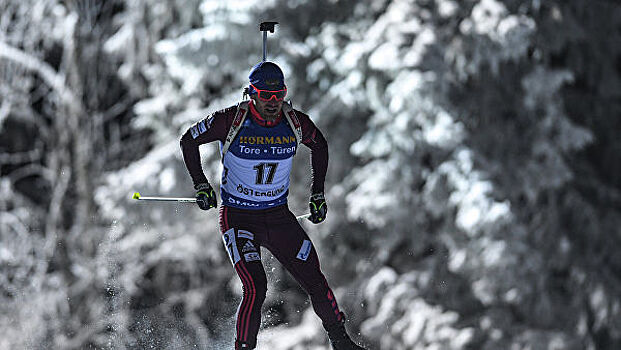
[137, 196]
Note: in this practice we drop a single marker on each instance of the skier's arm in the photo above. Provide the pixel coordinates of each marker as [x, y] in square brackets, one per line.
[212, 128]
[313, 139]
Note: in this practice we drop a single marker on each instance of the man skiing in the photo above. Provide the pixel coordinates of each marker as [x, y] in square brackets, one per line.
[258, 139]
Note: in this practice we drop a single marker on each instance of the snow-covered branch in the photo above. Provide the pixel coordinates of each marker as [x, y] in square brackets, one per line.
[53, 78]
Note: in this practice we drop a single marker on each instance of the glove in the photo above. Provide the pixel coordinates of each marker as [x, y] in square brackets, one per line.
[318, 208]
[205, 196]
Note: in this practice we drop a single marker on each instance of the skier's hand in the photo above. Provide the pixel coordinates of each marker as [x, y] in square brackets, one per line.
[205, 196]
[318, 208]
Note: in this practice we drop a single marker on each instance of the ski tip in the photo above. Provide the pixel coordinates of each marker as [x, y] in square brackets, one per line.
[136, 195]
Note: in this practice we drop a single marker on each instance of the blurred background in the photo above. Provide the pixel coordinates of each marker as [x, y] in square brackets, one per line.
[474, 184]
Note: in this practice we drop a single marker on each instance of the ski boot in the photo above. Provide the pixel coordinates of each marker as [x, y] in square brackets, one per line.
[339, 338]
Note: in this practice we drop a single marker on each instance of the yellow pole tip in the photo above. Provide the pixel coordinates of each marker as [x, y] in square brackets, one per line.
[136, 195]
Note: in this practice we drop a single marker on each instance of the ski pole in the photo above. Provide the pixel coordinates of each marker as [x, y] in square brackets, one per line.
[265, 27]
[164, 199]
[139, 197]
[301, 217]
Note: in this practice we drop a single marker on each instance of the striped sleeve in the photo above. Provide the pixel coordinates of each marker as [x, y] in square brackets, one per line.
[212, 128]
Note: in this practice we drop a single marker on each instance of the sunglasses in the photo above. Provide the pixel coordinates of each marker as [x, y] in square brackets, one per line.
[267, 95]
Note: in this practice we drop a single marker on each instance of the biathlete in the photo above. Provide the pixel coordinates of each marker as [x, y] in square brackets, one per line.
[258, 139]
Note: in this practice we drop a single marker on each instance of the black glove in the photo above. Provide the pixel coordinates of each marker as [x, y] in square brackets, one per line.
[318, 208]
[205, 196]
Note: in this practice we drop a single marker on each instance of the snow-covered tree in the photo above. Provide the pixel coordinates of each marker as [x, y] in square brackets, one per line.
[474, 183]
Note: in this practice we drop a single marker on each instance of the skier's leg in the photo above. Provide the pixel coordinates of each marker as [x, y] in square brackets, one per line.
[244, 252]
[291, 245]
[254, 287]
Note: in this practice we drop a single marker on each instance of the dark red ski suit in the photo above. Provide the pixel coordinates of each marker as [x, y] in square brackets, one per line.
[247, 226]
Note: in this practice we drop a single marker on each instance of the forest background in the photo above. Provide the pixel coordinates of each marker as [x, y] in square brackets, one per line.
[474, 183]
